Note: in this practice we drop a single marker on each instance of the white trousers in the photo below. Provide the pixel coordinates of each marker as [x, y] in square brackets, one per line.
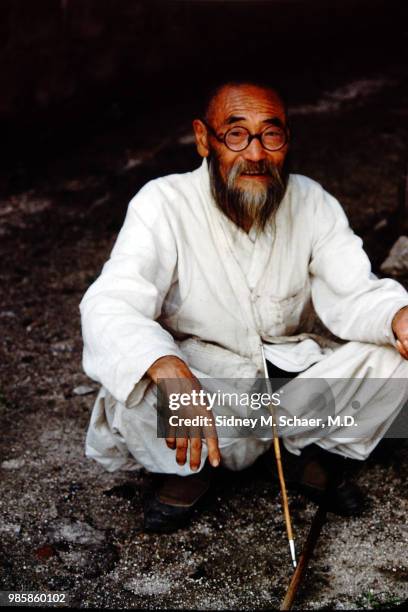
[121, 438]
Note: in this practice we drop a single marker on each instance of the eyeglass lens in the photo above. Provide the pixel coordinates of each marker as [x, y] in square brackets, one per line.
[272, 138]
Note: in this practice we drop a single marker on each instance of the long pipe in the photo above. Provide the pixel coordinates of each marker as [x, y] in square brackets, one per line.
[276, 446]
[312, 537]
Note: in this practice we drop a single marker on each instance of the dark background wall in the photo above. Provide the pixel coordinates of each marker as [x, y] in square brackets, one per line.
[69, 63]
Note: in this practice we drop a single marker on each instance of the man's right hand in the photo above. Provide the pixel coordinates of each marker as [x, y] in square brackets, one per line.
[171, 367]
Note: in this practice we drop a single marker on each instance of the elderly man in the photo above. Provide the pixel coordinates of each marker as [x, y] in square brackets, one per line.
[210, 264]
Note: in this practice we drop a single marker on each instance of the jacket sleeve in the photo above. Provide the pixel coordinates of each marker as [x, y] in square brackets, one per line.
[118, 312]
[351, 301]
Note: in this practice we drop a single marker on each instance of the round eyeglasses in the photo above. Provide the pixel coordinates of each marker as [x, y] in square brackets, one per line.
[238, 138]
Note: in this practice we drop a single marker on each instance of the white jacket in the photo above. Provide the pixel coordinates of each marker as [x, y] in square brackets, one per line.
[174, 285]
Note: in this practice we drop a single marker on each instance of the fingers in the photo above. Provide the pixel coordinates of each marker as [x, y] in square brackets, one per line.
[181, 444]
[402, 348]
[195, 453]
[210, 433]
[214, 455]
[171, 437]
[181, 450]
[181, 447]
[171, 443]
[400, 329]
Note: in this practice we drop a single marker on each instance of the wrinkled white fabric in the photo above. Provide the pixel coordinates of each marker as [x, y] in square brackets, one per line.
[292, 357]
[178, 283]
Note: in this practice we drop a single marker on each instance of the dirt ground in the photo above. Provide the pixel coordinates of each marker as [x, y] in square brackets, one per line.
[66, 525]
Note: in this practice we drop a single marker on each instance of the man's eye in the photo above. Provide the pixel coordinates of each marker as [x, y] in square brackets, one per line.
[236, 135]
[273, 137]
[273, 133]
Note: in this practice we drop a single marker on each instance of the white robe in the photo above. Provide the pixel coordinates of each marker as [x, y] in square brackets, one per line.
[182, 280]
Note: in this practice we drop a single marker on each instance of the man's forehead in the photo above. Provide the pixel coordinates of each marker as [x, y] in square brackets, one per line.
[245, 101]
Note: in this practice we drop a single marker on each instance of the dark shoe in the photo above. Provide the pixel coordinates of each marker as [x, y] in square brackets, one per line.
[172, 504]
[321, 477]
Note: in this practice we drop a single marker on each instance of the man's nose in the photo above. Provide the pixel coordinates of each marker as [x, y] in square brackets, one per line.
[254, 151]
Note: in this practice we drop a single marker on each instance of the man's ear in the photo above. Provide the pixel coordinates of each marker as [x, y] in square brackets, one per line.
[201, 138]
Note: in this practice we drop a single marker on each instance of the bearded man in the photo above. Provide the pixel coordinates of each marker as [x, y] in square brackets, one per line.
[207, 266]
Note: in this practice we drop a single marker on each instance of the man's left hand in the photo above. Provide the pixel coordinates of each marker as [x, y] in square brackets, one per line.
[400, 329]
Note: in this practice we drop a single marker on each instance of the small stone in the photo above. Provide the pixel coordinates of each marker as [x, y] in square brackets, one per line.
[131, 163]
[12, 528]
[149, 585]
[74, 558]
[64, 346]
[396, 263]
[12, 464]
[75, 532]
[8, 313]
[380, 225]
[83, 390]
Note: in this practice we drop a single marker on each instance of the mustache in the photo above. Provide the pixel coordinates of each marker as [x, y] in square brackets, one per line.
[263, 166]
